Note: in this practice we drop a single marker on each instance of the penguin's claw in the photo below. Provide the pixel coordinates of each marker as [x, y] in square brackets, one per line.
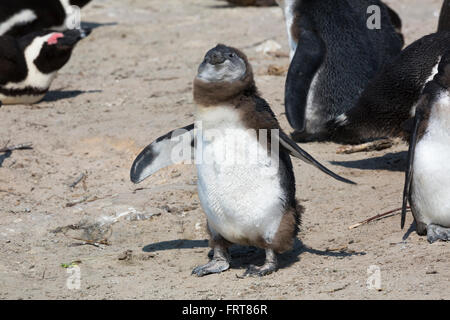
[214, 266]
[264, 270]
[436, 232]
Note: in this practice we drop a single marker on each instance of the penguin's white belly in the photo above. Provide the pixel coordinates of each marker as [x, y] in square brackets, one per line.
[243, 199]
[23, 99]
[431, 175]
[315, 119]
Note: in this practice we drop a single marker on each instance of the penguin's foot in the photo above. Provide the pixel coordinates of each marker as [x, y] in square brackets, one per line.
[219, 263]
[435, 233]
[269, 266]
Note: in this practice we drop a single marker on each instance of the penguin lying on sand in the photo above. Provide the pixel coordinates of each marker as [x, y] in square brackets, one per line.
[29, 64]
[334, 54]
[387, 104]
[390, 99]
[427, 183]
[248, 196]
[21, 17]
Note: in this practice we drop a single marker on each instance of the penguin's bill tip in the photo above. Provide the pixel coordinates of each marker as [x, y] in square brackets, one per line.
[222, 63]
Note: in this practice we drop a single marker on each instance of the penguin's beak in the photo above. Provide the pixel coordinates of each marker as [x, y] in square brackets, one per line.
[215, 58]
[71, 38]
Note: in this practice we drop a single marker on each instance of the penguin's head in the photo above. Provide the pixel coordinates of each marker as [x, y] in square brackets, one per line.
[49, 51]
[223, 64]
[224, 74]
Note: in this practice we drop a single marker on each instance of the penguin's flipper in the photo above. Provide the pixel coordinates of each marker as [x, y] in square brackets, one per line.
[164, 151]
[307, 59]
[444, 18]
[293, 149]
[409, 167]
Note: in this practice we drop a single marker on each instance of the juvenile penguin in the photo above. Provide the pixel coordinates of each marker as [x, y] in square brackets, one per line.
[29, 64]
[248, 196]
[427, 183]
[388, 103]
[21, 17]
[334, 54]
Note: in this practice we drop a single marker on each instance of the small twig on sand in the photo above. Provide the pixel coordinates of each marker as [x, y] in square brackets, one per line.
[93, 243]
[378, 216]
[369, 146]
[16, 147]
[75, 202]
[80, 178]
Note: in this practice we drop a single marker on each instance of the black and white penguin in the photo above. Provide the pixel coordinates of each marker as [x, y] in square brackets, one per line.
[334, 54]
[21, 17]
[427, 183]
[29, 64]
[246, 184]
[389, 100]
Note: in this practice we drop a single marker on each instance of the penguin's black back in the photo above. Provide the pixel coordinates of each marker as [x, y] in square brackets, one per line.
[388, 100]
[50, 13]
[354, 53]
[13, 66]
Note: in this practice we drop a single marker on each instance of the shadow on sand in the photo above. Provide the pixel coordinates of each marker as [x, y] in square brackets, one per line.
[390, 161]
[242, 256]
[53, 96]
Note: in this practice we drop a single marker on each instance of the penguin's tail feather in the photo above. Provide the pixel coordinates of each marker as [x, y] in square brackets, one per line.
[347, 128]
[444, 18]
[357, 126]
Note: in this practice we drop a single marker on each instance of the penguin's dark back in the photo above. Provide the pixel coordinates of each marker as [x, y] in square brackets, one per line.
[387, 101]
[360, 51]
[12, 61]
[49, 13]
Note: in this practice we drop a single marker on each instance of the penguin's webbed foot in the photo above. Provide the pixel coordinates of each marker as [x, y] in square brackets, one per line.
[436, 232]
[214, 266]
[219, 263]
[269, 266]
[264, 270]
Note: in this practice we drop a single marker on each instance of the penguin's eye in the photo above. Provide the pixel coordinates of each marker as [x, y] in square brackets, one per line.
[231, 55]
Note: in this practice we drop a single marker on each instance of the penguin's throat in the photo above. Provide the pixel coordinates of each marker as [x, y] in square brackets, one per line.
[218, 93]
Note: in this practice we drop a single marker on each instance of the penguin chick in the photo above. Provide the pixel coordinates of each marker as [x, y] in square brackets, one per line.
[21, 17]
[29, 64]
[246, 183]
[427, 182]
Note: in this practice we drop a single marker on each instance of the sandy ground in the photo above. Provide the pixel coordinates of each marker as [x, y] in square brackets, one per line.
[130, 82]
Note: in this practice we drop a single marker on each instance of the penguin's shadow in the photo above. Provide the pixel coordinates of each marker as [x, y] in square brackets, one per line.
[94, 25]
[390, 162]
[243, 256]
[53, 96]
[4, 156]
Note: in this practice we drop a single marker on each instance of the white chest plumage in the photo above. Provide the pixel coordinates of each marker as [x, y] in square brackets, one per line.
[431, 175]
[239, 186]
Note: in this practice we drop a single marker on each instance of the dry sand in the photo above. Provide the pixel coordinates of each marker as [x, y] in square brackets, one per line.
[129, 82]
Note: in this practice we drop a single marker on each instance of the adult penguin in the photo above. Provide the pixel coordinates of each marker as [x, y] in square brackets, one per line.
[336, 48]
